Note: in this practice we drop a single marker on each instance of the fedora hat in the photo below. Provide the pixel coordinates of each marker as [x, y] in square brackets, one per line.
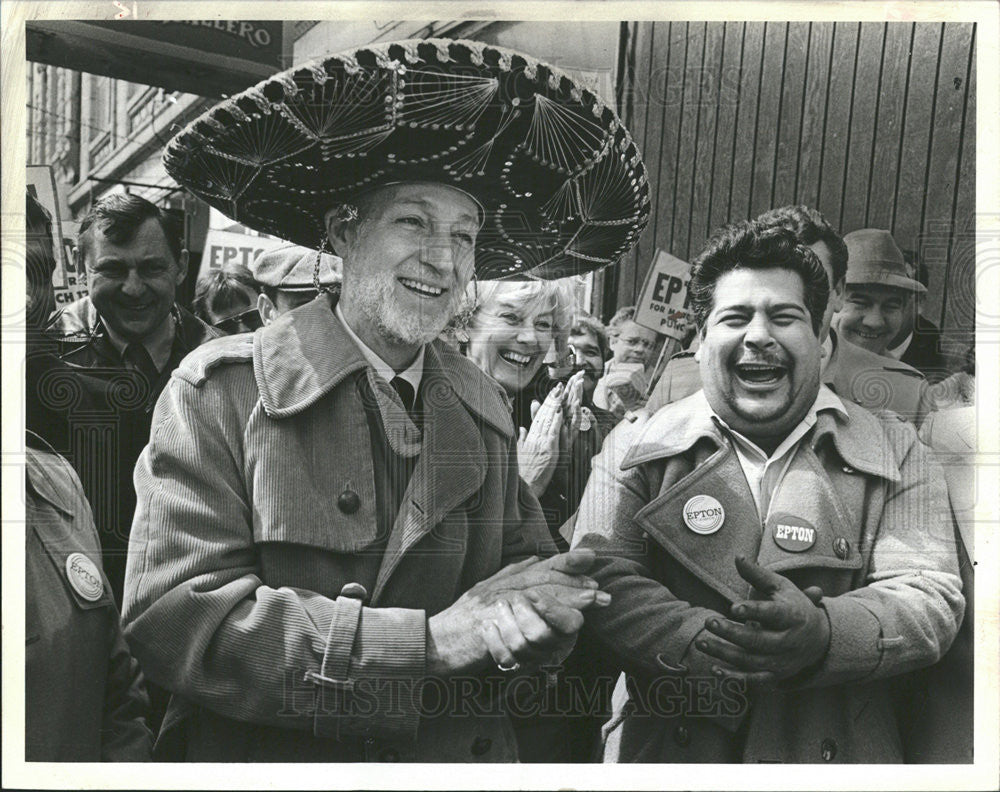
[873, 257]
[561, 183]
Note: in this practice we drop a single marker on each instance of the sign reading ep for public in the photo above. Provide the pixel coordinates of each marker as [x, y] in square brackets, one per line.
[663, 304]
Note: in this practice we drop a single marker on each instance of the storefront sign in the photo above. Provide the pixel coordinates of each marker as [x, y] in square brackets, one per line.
[207, 58]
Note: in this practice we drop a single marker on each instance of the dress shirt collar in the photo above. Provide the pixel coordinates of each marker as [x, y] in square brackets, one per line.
[412, 374]
[159, 343]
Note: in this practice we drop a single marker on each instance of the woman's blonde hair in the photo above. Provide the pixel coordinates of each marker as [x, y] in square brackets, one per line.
[555, 295]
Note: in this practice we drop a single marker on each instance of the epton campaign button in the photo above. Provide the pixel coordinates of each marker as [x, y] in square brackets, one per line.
[703, 514]
[84, 577]
[792, 533]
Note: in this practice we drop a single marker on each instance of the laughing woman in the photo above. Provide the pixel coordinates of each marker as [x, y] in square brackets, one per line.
[512, 328]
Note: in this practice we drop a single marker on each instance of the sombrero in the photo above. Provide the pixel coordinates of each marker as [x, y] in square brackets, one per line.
[562, 184]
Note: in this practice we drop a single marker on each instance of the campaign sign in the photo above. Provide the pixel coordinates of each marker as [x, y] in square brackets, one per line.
[663, 304]
[227, 249]
[68, 280]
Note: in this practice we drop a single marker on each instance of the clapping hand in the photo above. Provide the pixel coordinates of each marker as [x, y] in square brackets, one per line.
[774, 635]
[522, 614]
[538, 447]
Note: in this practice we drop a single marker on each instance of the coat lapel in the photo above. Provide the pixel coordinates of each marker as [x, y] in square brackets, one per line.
[806, 497]
[451, 467]
[710, 557]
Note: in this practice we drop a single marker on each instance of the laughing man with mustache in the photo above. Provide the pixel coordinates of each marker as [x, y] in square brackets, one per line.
[774, 553]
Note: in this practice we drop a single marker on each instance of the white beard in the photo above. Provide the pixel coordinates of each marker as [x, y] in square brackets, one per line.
[375, 297]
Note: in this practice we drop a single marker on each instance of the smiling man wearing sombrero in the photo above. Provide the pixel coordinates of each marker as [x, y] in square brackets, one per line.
[329, 509]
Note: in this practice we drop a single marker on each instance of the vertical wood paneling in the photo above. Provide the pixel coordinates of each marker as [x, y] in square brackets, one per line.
[636, 106]
[911, 179]
[768, 117]
[862, 133]
[789, 127]
[942, 170]
[814, 113]
[746, 121]
[888, 126]
[838, 121]
[663, 104]
[960, 283]
[709, 105]
[871, 123]
[687, 143]
[724, 160]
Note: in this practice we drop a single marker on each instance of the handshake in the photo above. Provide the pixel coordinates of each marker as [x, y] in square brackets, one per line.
[526, 614]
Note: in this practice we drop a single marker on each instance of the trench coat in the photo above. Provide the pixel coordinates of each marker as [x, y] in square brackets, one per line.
[84, 697]
[251, 593]
[883, 553]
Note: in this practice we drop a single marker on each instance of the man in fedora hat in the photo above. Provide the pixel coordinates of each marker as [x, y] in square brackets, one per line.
[852, 372]
[291, 275]
[880, 292]
[333, 557]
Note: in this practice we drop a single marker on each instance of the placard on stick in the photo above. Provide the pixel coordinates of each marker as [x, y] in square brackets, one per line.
[663, 303]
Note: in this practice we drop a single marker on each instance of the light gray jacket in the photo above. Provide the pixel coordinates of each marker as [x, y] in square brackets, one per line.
[884, 556]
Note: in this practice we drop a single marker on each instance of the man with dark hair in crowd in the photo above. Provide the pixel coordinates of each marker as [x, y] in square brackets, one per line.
[591, 349]
[781, 550]
[848, 370]
[119, 345]
[84, 699]
[226, 299]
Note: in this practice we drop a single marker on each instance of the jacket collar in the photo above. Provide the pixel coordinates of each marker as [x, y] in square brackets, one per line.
[848, 358]
[307, 352]
[676, 428]
[79, 322]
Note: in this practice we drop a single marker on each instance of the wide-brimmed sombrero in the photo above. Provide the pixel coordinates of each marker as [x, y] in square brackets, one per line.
[563, 185]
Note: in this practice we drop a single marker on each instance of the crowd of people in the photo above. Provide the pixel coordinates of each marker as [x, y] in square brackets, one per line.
[367, 503]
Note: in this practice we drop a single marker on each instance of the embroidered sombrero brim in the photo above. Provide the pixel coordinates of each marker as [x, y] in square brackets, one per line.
[564, 188]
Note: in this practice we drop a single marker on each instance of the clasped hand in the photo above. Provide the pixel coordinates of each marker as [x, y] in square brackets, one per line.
[525, 613]
[774, 635]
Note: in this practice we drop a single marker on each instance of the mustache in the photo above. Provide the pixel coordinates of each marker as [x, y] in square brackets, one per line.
[761, 360]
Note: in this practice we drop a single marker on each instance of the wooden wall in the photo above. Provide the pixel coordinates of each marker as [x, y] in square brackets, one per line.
[871, 123]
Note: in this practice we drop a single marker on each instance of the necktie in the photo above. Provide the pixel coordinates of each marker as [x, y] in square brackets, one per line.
[405, 391]
[136, 354]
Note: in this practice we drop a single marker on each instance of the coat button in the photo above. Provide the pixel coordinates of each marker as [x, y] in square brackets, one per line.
[828, 750]
[481, 745]
[841, 547]
[682, 736]
[348, 502]
[354, 591]
[389, 755]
